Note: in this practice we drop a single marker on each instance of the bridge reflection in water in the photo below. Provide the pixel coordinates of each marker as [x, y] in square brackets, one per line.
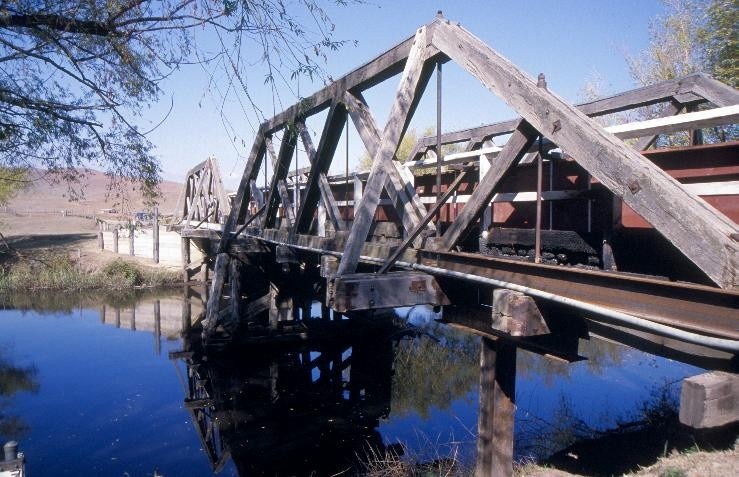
[306, 409]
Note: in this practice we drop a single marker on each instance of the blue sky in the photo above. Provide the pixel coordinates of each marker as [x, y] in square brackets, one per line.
[568, 40]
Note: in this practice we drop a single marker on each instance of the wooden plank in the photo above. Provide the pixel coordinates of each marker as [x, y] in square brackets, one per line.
[715, 91]
[677, 123]
[517, 145]
[410, 81]
[652, 193]
[320, 163]
[497, 409]
[636, 98]
[399, 189]
[710, 400]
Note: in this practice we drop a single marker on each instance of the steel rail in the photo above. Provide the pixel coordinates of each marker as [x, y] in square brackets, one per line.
[694, 313]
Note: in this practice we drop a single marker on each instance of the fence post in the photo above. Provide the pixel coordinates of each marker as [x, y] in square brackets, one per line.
[155, 235]
[131, 229]
[115, 240]
[101, 241]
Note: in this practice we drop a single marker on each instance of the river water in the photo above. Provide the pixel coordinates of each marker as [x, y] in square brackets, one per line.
[105, 385]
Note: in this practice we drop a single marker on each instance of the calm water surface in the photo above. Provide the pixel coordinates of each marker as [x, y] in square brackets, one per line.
[87, 394]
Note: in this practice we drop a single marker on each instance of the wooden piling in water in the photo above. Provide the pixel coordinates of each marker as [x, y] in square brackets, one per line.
[497, 408]
[185, 253]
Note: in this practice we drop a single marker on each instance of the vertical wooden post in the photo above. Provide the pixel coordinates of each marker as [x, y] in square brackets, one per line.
[157, 329]
[185, 252]
[357, 194]
[133, 317]
[321, 230]
[235, 279]
[102, 314]
[280, 307]
[155, 235]
[186, 311]
[131, 232]
[101, 240]
[115, 240]
[117, 317]
[497, 408]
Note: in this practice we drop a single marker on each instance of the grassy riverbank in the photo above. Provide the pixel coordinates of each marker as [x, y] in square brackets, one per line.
[58, 271]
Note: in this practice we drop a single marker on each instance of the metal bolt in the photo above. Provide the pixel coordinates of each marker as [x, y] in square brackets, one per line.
[541, 81]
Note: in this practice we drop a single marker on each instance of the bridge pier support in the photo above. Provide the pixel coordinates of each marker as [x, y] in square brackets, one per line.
[281, 308]
[497, 408]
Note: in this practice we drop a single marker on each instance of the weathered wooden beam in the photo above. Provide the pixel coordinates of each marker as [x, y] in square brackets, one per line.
[376, 71]
[320, 163]
[652, 193]
[496, 416]
[367, 291]
[410, 82]
[636, 98]
[517, 145]
[715, 91]
[278, 188]
[327, 195]
[710, 400]
[517, 314]
[399, 189]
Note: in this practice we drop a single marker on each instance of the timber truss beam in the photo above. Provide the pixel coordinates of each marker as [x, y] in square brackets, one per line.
[676, 95]
[699, 231]
[203, 199]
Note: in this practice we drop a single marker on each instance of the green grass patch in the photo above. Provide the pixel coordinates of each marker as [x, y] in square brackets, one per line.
[57, 271]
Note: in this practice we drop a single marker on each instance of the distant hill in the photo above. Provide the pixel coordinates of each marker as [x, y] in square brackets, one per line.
[46, 195]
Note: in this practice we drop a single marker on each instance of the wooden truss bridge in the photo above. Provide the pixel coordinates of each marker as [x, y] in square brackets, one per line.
[625, 240]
